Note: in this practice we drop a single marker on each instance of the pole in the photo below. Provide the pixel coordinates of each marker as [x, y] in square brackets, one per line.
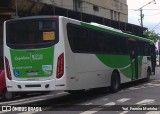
[159, 57]
[140, 9]
[159, 52]
[53, 5]
[141, 14]
[16, 8]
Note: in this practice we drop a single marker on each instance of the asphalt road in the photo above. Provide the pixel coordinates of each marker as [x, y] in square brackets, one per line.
[138, 97]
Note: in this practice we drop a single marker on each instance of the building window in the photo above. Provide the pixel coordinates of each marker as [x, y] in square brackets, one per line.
[111, 14]
[95, 8]
[115, 15]
[118, 16]
[77, 5]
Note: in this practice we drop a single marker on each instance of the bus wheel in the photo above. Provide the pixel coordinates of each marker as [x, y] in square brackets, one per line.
[6, 95]
[148, 75]
[115, 82]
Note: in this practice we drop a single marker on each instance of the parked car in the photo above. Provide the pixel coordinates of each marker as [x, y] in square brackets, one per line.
[4, 94]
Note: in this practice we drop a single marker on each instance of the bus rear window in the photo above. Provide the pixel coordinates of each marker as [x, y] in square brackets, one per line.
[30, 33]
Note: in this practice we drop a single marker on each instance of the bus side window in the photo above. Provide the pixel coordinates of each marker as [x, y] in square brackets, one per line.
[78, 38]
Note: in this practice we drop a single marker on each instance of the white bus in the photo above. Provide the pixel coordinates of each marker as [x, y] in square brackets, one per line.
[48, 53]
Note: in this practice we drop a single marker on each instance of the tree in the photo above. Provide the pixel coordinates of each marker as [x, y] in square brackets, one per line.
[152, 35]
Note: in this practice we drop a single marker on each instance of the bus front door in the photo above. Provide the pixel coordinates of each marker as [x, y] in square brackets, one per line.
[134, 59]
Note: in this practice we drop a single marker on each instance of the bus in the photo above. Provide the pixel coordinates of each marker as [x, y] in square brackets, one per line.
[48, 53]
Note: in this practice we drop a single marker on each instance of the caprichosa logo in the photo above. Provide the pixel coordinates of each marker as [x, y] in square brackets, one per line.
[33, 57]
[37, 57]
[21, 58]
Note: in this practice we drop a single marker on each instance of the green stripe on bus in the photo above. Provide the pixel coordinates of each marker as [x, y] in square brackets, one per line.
[114, 61]
[121, 62]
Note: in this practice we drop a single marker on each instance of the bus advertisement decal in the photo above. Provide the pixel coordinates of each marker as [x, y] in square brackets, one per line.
[37, 63]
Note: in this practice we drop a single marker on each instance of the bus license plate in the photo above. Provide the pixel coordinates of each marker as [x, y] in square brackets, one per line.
[32, 73]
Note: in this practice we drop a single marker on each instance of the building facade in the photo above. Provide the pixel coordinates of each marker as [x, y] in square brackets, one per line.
[112, 9]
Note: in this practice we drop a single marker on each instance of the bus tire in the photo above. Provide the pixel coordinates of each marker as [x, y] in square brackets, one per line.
[115, 82]
[6, 95]
[148, 75]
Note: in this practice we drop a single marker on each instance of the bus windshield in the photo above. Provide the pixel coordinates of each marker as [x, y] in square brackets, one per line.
[32, 33]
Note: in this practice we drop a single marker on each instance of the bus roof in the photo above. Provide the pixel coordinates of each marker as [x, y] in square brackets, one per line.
[94, 26]
[32, 17]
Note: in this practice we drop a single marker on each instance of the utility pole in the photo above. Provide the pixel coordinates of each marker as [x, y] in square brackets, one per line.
[141, 10]
[142, 16]
[16, 12]
[53, 5]
[158, 53]
[16, 7]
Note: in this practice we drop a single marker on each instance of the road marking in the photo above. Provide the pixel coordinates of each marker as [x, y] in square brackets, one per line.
[110, 104]
[61, 93]
[153, 112]
[25, 99]
[94, 110]
[31, 112]
[88, 103]
[91, 111]
[124, 112]
[27, 102]
[123, 100]
[146, 101]
[152, 84]
[1, 112]
[105, 99]
[13, 101]
[133, 88]
[143, 102]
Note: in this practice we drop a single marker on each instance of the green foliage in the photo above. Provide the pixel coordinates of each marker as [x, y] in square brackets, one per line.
[152, 35]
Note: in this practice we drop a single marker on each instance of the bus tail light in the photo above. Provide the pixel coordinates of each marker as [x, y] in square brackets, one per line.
[60, 66]
[8, 69]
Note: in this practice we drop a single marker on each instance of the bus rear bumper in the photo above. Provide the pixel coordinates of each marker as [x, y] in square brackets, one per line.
[24, 86]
